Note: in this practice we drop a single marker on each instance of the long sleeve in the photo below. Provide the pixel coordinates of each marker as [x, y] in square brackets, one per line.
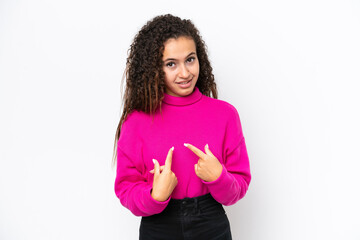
[235, 178]
[131, 185]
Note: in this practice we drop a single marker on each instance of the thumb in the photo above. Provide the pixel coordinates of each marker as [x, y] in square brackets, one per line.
[156, 167]
[207, 150]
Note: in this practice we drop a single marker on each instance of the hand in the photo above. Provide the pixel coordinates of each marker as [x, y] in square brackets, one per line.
[164, 182]
[208, 167]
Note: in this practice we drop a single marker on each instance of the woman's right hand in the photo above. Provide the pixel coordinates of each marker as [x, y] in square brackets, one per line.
[164, 181]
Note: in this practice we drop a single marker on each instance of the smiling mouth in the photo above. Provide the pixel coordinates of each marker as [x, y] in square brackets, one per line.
[183, 83]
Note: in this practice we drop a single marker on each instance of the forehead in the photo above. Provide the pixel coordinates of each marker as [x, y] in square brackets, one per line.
[179, 48]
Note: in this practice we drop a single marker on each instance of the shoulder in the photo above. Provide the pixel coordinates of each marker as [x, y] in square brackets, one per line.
[222, 106]
[132, 124]
[135, 118]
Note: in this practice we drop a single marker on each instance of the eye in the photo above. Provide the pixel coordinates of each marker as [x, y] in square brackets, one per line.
[191, 59]
[170, 64]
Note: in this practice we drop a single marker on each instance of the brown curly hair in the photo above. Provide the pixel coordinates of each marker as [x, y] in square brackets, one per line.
[145, 78]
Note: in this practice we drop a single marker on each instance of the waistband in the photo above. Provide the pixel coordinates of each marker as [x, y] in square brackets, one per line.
[204, 204]
[190, 201]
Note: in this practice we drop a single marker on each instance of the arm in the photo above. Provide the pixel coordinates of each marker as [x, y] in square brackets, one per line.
[131, 185]
[235, 177]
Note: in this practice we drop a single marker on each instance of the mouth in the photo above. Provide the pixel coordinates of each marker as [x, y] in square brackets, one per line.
[184, 83]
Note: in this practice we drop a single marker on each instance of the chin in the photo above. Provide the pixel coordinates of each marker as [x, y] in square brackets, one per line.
[184, 92]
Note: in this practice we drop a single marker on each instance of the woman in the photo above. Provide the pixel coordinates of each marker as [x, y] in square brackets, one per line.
[163, 174]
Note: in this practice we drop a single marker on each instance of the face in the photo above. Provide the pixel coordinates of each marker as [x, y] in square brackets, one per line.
[181, 66]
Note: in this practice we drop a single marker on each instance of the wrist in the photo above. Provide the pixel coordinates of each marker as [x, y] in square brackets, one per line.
[157, 198]
[216, 175]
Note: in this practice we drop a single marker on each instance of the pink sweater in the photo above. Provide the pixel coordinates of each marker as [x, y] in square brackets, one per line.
[195, 119]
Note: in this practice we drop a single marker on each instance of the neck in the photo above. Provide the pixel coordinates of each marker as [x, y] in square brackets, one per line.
[183, 101]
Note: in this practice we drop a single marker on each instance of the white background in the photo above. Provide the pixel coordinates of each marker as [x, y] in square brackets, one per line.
[291, 68]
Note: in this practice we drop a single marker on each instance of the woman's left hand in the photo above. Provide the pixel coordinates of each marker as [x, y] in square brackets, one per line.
[208, 167]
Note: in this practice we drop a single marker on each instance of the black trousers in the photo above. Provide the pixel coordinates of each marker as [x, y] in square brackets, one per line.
[188, 219]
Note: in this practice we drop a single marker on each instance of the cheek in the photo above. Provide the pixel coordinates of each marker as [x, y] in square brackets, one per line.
[169, 75]
[195, 69]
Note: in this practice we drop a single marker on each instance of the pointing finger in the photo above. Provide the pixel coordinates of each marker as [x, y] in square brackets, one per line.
[195, 150]
[168, 160]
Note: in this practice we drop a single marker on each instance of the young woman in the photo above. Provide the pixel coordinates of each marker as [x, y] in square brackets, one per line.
[181, 154]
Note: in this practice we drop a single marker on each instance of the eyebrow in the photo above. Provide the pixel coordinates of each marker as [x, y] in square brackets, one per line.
[176, 59]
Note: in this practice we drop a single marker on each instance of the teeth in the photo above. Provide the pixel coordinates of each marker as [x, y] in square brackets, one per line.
[185, 82]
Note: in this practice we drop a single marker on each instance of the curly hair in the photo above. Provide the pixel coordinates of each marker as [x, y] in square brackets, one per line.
[145, 78]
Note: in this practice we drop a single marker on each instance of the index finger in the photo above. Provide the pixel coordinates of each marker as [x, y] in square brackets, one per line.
[168, 160]
[195, 150]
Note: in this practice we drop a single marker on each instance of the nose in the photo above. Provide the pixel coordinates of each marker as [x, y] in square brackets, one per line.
[184, 72]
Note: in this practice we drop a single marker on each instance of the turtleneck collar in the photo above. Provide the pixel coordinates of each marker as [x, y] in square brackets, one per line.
[182, 101]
